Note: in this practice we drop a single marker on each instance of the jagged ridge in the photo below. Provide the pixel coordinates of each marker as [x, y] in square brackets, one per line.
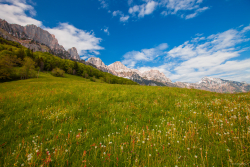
[35, 38]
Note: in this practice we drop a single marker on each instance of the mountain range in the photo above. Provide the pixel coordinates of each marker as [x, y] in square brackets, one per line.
[37, 39]
[156, 78]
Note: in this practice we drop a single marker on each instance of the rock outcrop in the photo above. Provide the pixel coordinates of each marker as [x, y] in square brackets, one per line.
[73, 53]
[100, 65]
[96, 61]
[155, 75]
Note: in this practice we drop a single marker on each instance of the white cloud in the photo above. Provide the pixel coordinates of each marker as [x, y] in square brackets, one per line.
[196, 12]
[145, 55]
[247, 28]
[13, 11]
[106, 30]
[216, 55]
[104, 4]
[124, 18]
[70, 36]
[174, 7]
[130, 2]
[144, 9]
[179, 7]
[119, 13]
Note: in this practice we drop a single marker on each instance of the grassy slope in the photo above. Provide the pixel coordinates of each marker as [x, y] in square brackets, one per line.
[74, 122]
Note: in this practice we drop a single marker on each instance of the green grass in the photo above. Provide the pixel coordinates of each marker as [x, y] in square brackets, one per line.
[53, 121]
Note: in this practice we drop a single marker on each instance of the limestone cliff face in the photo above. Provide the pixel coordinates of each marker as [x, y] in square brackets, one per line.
[73, 53]
[96, 61]
[155, 75]
[118, 66]
[26, 43]
[100, 65]
[31, 35]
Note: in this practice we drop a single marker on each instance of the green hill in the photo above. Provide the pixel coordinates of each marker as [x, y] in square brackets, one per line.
[72, 121]
[12, 55]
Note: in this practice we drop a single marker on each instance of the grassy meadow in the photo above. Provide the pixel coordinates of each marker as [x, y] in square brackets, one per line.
[71, 121]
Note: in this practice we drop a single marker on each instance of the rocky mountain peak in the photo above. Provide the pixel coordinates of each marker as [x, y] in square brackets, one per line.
[155, 75]
[210, 80]
[117, 66]
[96, 61]
[73, 53]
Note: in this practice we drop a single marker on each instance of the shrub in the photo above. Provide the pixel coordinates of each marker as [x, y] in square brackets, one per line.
[7, 63]
[28, 69]
[57, 72]
[93, 79]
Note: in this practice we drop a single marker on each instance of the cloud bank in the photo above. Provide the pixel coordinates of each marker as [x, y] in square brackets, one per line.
[145, 55]
[13, 11]
[186, 9]
[217, 55]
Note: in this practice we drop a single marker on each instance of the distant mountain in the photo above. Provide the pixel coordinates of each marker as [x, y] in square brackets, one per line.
[151, 77]
[156, 78]
[36, 39]
[216, 85]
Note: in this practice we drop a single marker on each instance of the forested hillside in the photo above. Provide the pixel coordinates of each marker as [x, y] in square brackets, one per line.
[18, 62]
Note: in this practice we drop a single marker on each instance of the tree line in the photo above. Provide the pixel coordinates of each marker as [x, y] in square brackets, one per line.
[18, 62]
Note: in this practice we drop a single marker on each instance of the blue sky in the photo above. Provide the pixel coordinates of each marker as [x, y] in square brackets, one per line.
[184, 39]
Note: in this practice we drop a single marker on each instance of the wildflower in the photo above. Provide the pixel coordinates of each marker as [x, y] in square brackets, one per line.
[66, 150]
[195, 156]
[122, 147]
[228, 150]
[143, 142]
[200, 148]
[104, 153]
[150, 155]
[30, 157]
[188, 148]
